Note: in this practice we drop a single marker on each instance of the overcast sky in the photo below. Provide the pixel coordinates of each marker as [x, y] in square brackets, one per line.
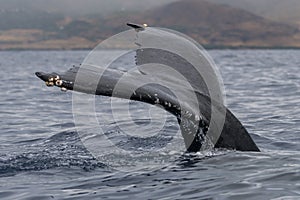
[82, 6]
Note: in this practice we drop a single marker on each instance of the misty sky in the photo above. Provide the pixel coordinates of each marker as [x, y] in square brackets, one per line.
[82, 6]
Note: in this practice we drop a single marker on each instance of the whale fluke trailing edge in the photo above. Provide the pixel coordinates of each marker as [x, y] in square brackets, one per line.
[233, 135]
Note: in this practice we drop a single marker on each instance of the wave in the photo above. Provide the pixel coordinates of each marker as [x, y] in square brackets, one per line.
[61, 150]
[65, 150]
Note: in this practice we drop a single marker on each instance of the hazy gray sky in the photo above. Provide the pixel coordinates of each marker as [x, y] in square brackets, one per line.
[82, 6]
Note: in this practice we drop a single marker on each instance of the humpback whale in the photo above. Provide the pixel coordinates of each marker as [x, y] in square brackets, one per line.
[195, 106]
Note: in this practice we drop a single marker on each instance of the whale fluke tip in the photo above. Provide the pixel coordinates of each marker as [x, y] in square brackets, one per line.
[137, 27]
[43, 76]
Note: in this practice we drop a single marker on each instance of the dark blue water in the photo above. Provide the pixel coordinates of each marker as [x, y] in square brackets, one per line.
[42, 156]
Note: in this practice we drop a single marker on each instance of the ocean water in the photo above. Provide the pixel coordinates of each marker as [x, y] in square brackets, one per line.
[42, 156]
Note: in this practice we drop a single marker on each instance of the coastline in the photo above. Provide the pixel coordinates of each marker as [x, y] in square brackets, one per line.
[207, 47]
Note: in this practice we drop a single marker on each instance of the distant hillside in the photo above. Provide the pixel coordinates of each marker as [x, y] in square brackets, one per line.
[286, 11]
[217, 25]
[27, 19]
[210, 24]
